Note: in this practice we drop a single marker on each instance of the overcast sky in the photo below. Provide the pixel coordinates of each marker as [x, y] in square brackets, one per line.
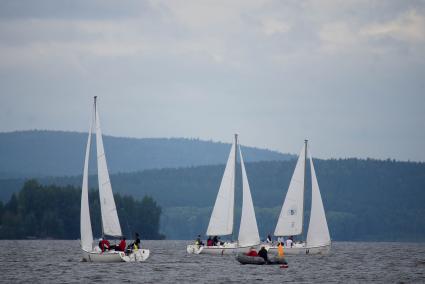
[347, 75]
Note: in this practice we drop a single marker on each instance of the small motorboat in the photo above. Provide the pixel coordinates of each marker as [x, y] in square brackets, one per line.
[258, 260]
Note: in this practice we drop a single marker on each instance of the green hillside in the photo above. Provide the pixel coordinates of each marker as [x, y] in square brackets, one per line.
[363, 199]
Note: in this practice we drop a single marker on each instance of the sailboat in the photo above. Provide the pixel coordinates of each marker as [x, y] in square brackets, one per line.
[222, 216]
[110, 222]
[291, 217]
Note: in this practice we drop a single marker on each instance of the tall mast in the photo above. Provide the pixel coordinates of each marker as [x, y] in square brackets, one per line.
[305, 166]
[234, 185]
[95, 127]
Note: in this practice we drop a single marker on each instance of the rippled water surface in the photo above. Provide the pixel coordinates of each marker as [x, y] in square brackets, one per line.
[59, 261]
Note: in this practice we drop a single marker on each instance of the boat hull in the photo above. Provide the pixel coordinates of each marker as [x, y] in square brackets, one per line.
[301, 250]
[116, 256]
[226, 249]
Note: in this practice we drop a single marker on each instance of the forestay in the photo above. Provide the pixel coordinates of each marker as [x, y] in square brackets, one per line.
[221, 221]
[110, 221]
[290, 221]
[248, 230]
[318, 232]
[85, 223]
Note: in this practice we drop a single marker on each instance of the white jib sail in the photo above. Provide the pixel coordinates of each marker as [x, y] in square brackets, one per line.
[318, 232]
[85, 223]
[110, 222]
[248, 230]
[290, 221]
[221, 221]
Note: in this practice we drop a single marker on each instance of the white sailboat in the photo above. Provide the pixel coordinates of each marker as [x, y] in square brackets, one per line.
[222, 217]
[290, 221]
[110, 222]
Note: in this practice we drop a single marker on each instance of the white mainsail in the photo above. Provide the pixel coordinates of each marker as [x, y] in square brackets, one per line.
[318, 231]
[221, 221]
[248, 230]
[110, 222]
[85, 223]
[290, 221]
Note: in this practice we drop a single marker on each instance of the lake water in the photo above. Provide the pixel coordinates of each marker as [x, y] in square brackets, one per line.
[60, 262]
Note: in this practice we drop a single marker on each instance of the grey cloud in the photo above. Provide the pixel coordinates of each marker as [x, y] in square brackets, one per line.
[263, 69]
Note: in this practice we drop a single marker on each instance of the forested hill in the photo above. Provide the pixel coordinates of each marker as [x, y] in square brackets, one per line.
[58, 153]
[363, 199]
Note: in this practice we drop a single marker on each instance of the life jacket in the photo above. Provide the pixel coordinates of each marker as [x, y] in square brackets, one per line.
[280, 250]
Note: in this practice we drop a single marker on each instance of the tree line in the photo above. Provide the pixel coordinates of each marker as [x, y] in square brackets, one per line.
[50, 211]
[364, 199]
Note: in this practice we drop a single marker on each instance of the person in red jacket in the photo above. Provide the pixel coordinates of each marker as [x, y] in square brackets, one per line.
[104, 244]
[209, 241]
[122, 245]
[252, 252]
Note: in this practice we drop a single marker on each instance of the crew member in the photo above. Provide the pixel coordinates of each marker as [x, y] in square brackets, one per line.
[263, 253]
[104, 244]
[122, 245]
[280, 251]
[252, 252]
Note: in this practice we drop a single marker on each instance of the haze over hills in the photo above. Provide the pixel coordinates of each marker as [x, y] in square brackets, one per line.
[58, 153]
[364, 199]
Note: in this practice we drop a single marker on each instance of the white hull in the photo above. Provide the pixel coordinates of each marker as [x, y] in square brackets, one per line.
[301, 249]
[116, 256]
[228, 248]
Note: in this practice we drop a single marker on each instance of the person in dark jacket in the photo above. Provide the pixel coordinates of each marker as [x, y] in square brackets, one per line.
[215, 241]
[269, 239]
[136, 244]
[198, 241]
[263, 253]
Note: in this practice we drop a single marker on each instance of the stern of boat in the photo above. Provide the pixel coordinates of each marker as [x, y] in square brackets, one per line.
[139, 255]
[194, 249]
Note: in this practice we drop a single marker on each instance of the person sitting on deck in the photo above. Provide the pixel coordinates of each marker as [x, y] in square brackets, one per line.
[198, 241]
[263, 253]
[215, 241]
[269, 239]
[104, 244]
[121, 246]
[209, 241]
[136, 244]
[280, 240]
[289, 242]
[252, 252]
